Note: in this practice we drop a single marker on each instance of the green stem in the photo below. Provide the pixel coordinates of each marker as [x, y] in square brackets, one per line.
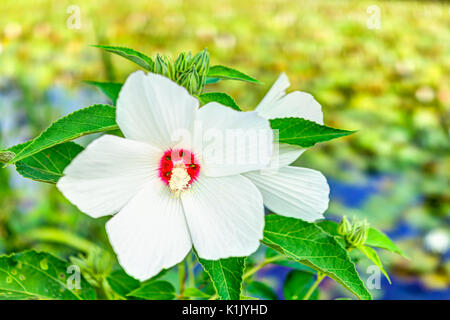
[254, 270]
[258, 267]
[61, 236]
[190, 269]
[106, 289]
[320, 277]
[182, 277]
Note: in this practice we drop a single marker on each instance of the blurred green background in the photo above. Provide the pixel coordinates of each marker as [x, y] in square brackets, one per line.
[379, 67]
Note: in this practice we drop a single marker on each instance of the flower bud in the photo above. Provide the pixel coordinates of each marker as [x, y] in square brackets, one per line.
[201, 62]
[358, 234]
[183, 63]
[164, 66]
[344, 227]
[191, 71]
[95, 266]
[192, 82]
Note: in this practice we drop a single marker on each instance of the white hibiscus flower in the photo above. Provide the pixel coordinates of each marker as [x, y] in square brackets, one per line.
[291, 191]
[169, 197]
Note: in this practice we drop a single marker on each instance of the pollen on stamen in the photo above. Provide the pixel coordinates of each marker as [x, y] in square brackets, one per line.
[178, 169]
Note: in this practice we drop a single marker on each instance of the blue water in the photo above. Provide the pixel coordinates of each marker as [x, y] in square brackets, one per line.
[353, 196]
[413, 290]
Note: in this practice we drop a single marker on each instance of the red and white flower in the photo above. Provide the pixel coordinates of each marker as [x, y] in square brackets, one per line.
[167, 196]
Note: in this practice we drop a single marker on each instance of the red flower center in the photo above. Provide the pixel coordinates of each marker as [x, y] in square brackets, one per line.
[175, 159]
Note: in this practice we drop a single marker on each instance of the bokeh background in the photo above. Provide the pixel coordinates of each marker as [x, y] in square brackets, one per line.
[382, 68]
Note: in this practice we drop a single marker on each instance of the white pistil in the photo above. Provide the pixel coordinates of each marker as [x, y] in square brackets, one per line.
[179, 181]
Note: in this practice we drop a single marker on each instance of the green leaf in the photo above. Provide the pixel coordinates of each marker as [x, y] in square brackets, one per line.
[219, 97]
[310, 245]
[110, 89]
[11, 152]
[96, 118]
[282, 260]
[139, 58]
[304, 133]
[297, 284]
[261, 290]
[155, 290]
[376, 238]
[373, 256]
[210, 80]
[223, 72]
[226, 276]
[49, 164]
[195, 293]
[122, 283]
[39, 275]
[18, 147]
[331, 228]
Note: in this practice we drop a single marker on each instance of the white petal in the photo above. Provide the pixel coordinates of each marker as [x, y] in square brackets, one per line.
[295, 104]
[232, 141]
[277, 91]
[276, 104]
[154, 109]
[150, 233]
[284, 154]
[108, 173]
[225, 216]
[294, 192]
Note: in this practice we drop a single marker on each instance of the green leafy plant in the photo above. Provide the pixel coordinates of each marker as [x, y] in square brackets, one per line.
[320, 249]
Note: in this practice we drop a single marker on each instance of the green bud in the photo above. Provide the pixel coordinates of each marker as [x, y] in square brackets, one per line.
[344, 227]
[95, 266]
[164, 66]
[180, 62]
[195, 84]
[189, 60]
[159, 64]
[183, 63]
[101, 261]
[201, 62]
[191, 81]
[187, 70]
[358, 233]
